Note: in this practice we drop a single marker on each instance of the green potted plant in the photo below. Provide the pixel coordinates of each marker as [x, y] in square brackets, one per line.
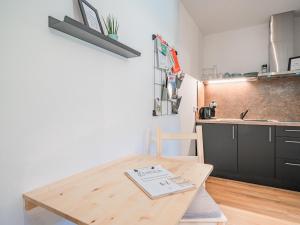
[112, 27]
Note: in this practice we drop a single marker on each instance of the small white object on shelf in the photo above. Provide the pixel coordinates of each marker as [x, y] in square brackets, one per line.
[157, 182]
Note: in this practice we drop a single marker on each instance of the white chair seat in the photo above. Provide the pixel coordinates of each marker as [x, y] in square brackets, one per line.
[203, 210]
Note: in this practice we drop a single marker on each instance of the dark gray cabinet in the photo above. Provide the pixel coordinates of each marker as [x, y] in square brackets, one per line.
[256, 151]
[288, 131]
[268, 155]
[288, 156]
[220, 147]
[288, 171]
[288, 147]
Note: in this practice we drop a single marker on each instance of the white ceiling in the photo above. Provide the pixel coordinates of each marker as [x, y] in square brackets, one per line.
[213, 16]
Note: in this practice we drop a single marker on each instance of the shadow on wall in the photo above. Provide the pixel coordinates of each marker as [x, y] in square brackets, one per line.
[169, 148]
[39, 216]
[76, 11]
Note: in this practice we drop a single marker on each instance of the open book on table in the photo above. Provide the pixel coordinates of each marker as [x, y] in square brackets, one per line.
[157, 182]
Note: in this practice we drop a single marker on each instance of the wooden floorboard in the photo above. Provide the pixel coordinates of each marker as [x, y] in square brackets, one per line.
[250, 204]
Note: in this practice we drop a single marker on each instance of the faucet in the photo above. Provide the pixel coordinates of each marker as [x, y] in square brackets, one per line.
[243, 114]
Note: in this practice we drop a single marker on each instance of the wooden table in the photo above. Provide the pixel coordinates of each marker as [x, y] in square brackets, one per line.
[104, 195]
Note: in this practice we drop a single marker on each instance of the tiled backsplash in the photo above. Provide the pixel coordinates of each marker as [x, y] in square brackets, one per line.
[277, 99]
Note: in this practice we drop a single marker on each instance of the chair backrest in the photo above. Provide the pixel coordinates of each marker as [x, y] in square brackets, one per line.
[160, 136]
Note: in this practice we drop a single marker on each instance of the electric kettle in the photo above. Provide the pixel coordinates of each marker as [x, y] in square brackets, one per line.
[205, 113]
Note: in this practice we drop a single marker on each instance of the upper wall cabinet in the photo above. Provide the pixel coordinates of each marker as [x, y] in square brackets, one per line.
[83, 32]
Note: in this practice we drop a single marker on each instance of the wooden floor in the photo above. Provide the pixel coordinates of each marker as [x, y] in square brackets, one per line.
[249, 204]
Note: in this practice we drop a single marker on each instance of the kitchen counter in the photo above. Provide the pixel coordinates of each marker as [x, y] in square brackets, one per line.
[248, 122]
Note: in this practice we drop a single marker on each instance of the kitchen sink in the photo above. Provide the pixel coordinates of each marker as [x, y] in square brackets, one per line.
[260, 120]
[229, 119]
[254, 120]
[246, 120]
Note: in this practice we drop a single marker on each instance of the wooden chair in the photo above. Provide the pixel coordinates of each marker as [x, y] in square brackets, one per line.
[203, 210]
[160, 136]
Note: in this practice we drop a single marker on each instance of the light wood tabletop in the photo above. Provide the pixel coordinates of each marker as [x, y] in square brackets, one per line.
[105, 195]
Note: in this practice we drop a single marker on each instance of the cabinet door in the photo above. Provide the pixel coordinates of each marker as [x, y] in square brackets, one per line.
[220, 147]
[288, 170]
[288, 148]
[288, 132]
[256, 154]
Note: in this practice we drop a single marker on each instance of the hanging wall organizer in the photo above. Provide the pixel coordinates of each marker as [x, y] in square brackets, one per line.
[168, 77]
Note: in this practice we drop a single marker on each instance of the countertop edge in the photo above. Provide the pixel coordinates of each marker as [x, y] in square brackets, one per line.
[245, 122]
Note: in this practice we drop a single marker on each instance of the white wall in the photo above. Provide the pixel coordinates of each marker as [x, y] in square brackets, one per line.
[243, 50]
[188, 90]
[237, 51]
[190, 47]
[190, 43]
[297, 37]
[66, 105]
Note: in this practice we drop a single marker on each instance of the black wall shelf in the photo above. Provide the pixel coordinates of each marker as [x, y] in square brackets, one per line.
[83, 32]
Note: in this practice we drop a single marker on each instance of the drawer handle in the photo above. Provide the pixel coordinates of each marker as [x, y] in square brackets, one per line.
[294, 142]
[233, 132]
[292, 130]
[270, 134]
[292, 164]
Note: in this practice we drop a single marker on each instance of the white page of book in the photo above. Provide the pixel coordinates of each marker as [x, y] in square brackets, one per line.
[156, 181]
